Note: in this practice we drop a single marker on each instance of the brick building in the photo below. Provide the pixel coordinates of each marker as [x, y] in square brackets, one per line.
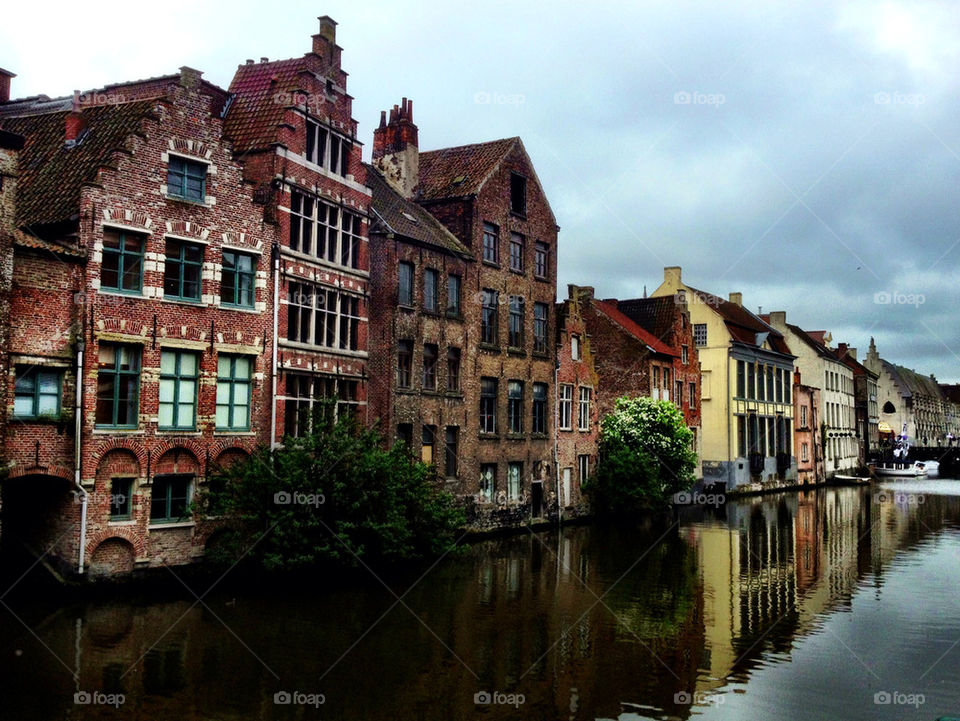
[292, 129]
[488, 196]
[139, 265]
[806, 434]
[578, 391]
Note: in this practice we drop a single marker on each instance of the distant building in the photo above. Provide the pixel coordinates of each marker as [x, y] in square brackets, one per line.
[746, 388]
[865, 396]
[807, 435]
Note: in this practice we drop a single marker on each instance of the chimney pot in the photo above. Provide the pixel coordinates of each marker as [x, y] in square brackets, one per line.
[264, 60]
[249, 61]
[736, 298]
[396, 148]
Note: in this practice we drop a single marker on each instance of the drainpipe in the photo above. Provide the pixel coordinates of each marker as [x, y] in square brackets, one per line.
[78, 425]
[273, 367]
[556, 453]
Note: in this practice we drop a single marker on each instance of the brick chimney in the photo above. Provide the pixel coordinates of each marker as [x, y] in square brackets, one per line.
[325, 42]
[736, 298]
[74, 124]
[5, 77]
[845, 350]
[395, 148]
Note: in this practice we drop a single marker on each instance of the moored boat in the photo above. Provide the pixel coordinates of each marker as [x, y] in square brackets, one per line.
[910, 470]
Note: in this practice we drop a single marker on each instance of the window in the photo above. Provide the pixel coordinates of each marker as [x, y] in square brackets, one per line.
[684, 354]
[803, 417]
[118, 385]
[182, 270]
[678, 393]
[491, 243]
[786, 391]
[405, 434]
[540, 314]
[121, 499]
[307, 394]
[541, 260]
[171, 494]
[351, 237]
[323, 317]
[741, 437]
[122, 266]
[518, 194]
[751, 381]
[178, 390]
[488, 405]
[427, 441]
[575, 347]
[514, 480]
[233, 392]
[515, 406]
[516, 252]
[565, 409]
[488, 481]
[186, 179]
[539, 418]
[237, 279]
[430, 281]
[769, 383]
[37, 392]
[453, 295]
[327, 149]
[303, 227]
[700, 334]
[515, 338]
[771, 437]
[583, 414]
[324, 231]
[429, 366]
[583, 463]
[452, 442]
[453, 369]
[804, 452]
[778, 384]
[488, 317]
[405, 284]
[741, 379]
[404, 363]
[692, 397]
[655, 394]
[761, 395]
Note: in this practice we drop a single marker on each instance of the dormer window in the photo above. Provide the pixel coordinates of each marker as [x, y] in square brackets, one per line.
[187, 179]
[518, 194]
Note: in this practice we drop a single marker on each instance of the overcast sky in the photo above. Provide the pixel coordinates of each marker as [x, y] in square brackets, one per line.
[807, 156]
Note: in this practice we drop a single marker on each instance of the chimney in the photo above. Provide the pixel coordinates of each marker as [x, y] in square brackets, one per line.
[736, 298]
[395, 149]
[325, 42]
[671, 278]
[5, 77]
[580, 292]
[74, 124]
[189, 78]
[778, 319]
[844, 350]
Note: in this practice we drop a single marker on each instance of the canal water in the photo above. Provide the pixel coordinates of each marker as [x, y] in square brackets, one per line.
[838, 603]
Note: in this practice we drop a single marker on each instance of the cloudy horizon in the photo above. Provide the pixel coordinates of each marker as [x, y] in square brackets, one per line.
[807, 157]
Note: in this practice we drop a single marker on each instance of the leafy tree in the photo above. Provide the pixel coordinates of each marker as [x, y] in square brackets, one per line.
[644, 457]
[334, 495]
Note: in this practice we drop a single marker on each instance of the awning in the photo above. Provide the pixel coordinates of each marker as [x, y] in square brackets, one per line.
[884, 427]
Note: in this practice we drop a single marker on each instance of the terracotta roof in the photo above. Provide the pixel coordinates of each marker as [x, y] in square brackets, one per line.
[852, 363]
[51, 175]
[653, 314]
[26, 240]
[741, 323]
[609, 309]
[460, 171]
[395, 214]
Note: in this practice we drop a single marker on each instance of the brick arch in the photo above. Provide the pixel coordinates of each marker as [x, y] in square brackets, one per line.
[126, 533]
[229, 456]
[177, 458]
[113, 556]
[20, 471]
[123, 325]
[128, 444]
[165, 445]
[128, 217]
[118, 462]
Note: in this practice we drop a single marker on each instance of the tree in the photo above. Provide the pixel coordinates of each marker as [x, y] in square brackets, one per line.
[336, 494]
[644, 457]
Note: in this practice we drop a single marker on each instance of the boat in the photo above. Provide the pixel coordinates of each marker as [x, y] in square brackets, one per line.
[908, 470]
[851, 480]
[932, 468]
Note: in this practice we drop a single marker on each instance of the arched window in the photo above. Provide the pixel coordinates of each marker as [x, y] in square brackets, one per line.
[888, 407]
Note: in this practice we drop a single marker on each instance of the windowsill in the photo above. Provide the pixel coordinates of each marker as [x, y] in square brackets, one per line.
[489, 436]
[518, 214]
[47, 420]
[406, 308]
[541, 278]
[163, 525]
[491, 264]
[541, 354]
[406, 391]
[517, 272]
[455, 394]
[105, 431]
[235, 433]
[454, 316]
[434, 313]
[121, 522]
[516, 437]
[516, 352]
[190, 432]
[188, 201]
[488, 346]
[538, 436]
[568, 430]
[121, 293]
[431, 392]
[183, 301]
[240, 308]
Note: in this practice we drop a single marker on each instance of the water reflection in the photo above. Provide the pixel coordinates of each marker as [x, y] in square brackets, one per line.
[697, 617]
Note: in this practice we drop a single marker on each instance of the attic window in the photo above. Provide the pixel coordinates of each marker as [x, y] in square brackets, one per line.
[518, 194]
[409, 217]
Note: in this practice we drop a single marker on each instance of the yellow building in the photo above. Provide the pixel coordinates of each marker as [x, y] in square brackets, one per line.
[746, 386]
